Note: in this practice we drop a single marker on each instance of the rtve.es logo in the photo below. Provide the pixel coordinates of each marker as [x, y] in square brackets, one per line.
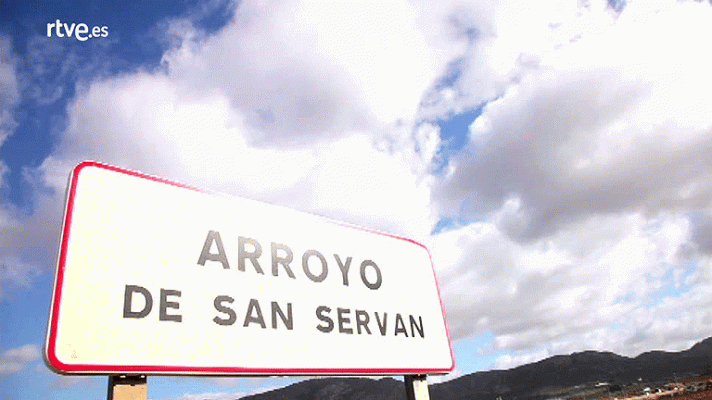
[79, 31]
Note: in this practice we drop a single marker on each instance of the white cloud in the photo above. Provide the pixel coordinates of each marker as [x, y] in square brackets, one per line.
[224, 395]
[506, 40]
[29, 242]
[157, 127]
[9, 90]
[598, 128]
[566, 292]
[15, 360]
[581, 175]
[63, 382]
[341, 145]
[303, 72]
[508, 361]
[454, 374]
[14, 272]
[590, 180]
[68, 381]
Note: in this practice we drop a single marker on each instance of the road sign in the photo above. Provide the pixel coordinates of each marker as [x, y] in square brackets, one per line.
[155, 277]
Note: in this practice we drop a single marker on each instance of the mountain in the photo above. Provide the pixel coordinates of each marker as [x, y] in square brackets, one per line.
[550, 378]
[337, 389]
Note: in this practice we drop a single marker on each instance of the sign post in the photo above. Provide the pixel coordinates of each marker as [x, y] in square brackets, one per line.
[131, 387]
[416, 387]
[155, 277]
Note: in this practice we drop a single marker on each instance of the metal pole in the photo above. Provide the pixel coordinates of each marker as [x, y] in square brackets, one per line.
[416, 387]
[127, 387]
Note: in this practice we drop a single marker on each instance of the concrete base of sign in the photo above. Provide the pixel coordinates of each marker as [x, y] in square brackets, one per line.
[416, 387]
[127, 387]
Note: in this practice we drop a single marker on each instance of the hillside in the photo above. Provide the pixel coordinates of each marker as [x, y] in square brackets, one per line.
[536, 381]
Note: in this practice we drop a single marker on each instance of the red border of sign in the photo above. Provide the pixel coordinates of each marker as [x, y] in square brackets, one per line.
[50, 346]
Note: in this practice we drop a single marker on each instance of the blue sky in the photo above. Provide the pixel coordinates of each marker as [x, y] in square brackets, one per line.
[553, 157]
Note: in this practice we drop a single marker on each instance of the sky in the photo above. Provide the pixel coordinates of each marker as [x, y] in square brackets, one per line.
[555, 157]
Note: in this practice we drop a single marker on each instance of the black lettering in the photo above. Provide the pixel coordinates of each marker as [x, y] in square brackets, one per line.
[416, 327]
[287, 321]
[128, 296]
[322, 312]
[242, 254]
[400, 327]
[232, 317]
[206, 255]
[343, 320]
[305, 265]
[344, 268]
[375, 285]
[165, 305]
[254, 306]
[382, 327]
[362, 321]
[276, 259]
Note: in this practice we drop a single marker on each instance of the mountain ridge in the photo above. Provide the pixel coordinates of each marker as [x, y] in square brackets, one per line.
[540, 380]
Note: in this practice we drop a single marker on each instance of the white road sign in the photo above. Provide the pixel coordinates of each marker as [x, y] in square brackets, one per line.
[155, 277]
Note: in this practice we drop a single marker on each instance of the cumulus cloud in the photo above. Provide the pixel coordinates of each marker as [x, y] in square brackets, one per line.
[612, 124]
[310, 107]
[572, 283]
[364, 179]
[9, 89]
[224, 395]
[264, 110]
[69, 381]
[15, 273]
[63, 382]
[496, 43]
[508, 361]
[611, 283]
[588, 179]
[15, 360]
[302, 72]
[29, 242]
[702, 233]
